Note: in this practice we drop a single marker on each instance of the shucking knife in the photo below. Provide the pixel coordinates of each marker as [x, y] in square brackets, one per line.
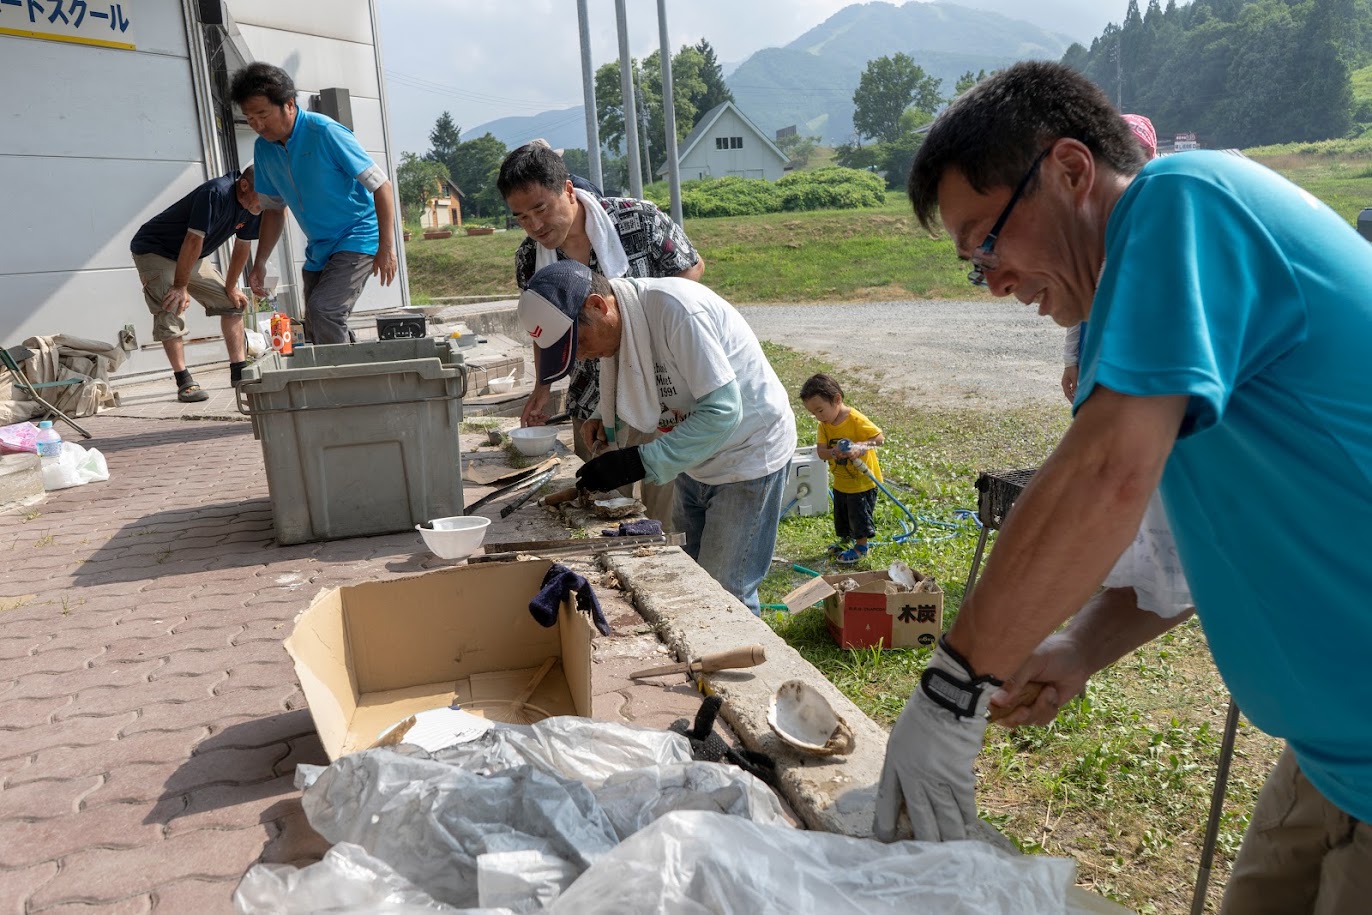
[747, 656]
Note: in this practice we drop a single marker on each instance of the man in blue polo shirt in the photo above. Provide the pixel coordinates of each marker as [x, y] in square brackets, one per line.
[169, 251]
[340, 197]
[1226, 356]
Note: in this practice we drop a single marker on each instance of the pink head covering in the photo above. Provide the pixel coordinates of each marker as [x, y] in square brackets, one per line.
[1143, 129]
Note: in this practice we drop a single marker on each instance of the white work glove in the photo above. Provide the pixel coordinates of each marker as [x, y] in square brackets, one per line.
[928, 768]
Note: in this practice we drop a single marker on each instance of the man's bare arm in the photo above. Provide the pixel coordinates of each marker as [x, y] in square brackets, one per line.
[1067, 529]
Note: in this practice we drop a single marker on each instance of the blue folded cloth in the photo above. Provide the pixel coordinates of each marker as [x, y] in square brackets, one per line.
[557, 584]
[639, 528]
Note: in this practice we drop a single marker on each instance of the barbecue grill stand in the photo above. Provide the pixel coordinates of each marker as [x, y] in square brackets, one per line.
[996, 493]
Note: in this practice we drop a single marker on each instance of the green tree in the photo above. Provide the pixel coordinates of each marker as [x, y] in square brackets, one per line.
[687, 86]
[416, 181]
[969, 79]
[578, 162]
[477, 165]
[443, 142]
[615, 170]
[609, 103]
[798, 148]
[853, 155]
[1235, 72]
[716, 91]
[887, 87]
[896, 157]
[697, 86]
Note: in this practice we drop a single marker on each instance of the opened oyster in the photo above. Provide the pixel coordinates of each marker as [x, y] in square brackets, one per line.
[618, 507]
[803, 718]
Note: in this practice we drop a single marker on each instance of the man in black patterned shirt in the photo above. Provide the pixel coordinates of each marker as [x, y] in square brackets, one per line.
[620, 237]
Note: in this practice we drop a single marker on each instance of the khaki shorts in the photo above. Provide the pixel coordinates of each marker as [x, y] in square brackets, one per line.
[206, 286]
[1301, 853]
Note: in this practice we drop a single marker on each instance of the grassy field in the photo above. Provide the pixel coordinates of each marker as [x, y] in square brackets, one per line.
[1122, 781]
[1339, 172]
[845, 255]
[833, 255]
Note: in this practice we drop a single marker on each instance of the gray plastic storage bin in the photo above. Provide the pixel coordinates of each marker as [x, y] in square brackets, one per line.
[358, 438]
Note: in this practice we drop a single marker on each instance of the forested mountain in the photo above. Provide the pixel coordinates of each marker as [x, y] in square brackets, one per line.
[1236, 72]
[810, 82]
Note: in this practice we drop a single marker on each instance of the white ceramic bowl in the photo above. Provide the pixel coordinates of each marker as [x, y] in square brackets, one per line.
[534, 440]
[455, 538]
[501, 385]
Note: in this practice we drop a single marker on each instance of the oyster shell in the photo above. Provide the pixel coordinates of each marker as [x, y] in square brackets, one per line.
[618, 507]
[803, 718]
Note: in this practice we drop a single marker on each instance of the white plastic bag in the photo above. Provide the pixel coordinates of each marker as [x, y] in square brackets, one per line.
[431, 821]
[577, 748]
[578, 817]
[76, 466]
[347, 882]
[693, 863]
[1152, 567]
[256, 342]
[522, 881]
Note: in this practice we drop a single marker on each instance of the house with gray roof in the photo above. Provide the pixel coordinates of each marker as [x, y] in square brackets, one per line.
[725, 142]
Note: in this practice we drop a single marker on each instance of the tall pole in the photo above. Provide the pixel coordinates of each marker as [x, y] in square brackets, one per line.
[669, 112]
[646, 147]
[588, 96]
[626, 91]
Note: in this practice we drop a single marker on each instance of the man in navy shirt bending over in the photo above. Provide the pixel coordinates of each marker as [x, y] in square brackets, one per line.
[169, 252]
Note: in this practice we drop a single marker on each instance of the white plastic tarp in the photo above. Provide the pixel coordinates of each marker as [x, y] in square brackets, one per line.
[576, 817]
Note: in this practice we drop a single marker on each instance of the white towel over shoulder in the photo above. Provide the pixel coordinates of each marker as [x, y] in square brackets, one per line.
[628, 380]
[600, 229]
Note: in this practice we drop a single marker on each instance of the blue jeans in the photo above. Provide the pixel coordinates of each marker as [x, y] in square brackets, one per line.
[731, 529]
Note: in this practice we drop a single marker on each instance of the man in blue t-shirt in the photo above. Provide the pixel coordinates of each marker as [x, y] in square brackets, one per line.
[170, 251]
[1226, 357]
[340, 197]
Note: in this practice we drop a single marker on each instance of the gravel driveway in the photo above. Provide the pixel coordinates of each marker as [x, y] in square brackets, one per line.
[930, 353]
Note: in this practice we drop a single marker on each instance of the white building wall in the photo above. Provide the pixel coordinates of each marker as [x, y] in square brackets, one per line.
[95, 141]
[326, 44]
[754, 160]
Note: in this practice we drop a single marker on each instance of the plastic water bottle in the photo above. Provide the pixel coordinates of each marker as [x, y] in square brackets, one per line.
[49, 443]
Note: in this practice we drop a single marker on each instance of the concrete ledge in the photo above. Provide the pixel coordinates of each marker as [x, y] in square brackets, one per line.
[486, 318]
[693, 615]
[21, 481]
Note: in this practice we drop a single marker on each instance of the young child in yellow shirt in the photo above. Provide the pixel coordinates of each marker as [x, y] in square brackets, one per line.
[855, 493]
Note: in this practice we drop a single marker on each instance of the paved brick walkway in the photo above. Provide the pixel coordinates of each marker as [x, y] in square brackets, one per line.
[150, 722]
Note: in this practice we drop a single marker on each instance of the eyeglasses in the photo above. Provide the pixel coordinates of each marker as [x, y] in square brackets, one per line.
[984, 258]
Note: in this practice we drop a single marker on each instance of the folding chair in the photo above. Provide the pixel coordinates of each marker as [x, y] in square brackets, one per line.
[10, 359]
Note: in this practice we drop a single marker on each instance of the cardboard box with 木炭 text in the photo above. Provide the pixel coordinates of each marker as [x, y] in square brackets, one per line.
[370, 655]
[874, 612]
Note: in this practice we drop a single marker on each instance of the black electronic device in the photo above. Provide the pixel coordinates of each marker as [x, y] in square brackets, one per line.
[401, 327]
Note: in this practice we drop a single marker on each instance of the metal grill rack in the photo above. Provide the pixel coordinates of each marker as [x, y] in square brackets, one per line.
[996, 493]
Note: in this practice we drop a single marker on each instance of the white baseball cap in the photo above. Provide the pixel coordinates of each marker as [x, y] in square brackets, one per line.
[549, 308]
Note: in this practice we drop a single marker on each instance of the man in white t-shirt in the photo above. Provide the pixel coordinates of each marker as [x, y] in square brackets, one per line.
[677, 358]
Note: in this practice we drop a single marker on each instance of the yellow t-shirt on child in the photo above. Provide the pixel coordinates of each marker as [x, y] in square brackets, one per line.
[856, 428]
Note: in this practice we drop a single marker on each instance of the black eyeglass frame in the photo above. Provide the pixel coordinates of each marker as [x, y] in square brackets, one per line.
[977, 275]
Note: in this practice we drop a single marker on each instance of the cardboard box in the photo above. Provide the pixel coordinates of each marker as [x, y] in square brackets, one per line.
[370, 655]
[874, 613]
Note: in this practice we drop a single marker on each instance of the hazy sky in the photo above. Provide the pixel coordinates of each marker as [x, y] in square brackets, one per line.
[485, 59]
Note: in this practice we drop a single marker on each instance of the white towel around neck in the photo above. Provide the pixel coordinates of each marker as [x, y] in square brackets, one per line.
[600, 229]
[628, 379]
